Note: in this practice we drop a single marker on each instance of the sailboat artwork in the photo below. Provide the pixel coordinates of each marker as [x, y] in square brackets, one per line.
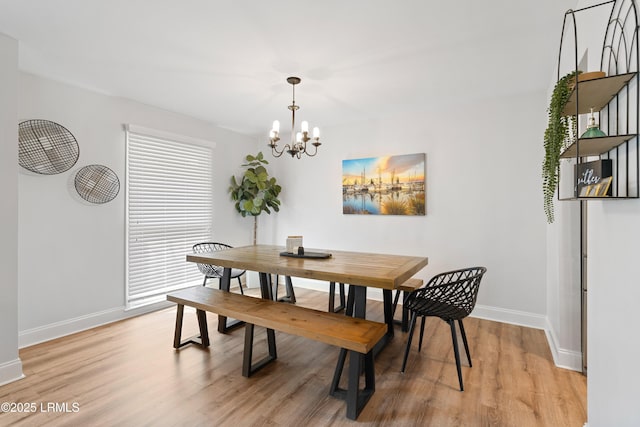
[390, 185]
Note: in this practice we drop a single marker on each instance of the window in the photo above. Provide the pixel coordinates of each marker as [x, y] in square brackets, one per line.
[169, 191]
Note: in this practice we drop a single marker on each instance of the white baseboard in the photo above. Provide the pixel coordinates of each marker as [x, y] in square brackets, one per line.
[513, 317]
[563, 358]
[70, 326]
[11, 371]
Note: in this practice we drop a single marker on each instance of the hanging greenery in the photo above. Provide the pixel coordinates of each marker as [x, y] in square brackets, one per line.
[256, 192]
[557, 137]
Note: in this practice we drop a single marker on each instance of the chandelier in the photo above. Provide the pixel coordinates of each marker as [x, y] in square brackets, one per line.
[299, 140]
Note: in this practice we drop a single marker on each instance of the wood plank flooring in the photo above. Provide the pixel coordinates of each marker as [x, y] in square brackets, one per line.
[128, 374]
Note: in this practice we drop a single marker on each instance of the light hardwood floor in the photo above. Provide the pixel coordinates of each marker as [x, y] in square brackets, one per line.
[128, 374]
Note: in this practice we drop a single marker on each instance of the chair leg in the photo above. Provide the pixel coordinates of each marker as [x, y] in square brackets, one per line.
[395, 301]
[350, 301]
[464, 340]
[288, 285]
[421, 334]
[455, 351]
[240, 284]
[205, 281]
[409, 338]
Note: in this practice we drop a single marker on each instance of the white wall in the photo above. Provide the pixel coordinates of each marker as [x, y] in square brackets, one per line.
[613, 248]
[10, 365]
[484, 204]
[71, 258]
[613, 239]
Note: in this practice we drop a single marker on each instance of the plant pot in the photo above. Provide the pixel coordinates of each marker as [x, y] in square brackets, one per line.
[583, 77]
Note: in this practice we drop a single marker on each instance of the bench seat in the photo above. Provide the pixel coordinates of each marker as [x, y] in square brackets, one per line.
[359, 336]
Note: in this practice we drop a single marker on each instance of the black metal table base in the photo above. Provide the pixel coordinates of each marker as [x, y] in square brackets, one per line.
[355, 397]
[247, 367]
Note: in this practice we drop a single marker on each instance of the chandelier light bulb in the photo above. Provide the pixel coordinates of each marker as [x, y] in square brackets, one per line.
[299, 137]
[316, 132]
[276, 126]
[304, 126]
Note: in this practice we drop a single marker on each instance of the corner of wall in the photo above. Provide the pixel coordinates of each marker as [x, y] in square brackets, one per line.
[563, 358]
[11, 371]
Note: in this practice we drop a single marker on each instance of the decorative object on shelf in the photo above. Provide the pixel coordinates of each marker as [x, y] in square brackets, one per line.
[256, 192]
[293, 243]
[593, 179]
[46, 147]
[593, 131]
[299, 140]
[557, 136]
[390, 185]
[97, 184]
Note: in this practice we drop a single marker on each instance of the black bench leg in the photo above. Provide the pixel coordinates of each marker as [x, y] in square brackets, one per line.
[355, 397]
[332, 293]
[247, 368]
[202, 324]
[177, 335]
[202, 339]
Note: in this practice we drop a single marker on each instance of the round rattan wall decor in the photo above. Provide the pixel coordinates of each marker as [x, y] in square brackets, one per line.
[46, 147]
[97, 184]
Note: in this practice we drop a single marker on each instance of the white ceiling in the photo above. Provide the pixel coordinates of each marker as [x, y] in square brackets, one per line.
[227, 61]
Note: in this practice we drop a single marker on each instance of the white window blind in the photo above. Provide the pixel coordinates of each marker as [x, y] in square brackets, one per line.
[169, 189]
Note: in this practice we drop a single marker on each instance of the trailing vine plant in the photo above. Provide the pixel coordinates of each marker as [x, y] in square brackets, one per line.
[557, 137]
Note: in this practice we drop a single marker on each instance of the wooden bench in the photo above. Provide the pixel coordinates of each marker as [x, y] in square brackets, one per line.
[358, 336]
[405, 289]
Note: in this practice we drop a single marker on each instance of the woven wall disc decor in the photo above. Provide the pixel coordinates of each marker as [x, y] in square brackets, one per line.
[46, 147]
[97, 184]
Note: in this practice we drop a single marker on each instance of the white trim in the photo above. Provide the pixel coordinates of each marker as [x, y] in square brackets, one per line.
[167, 135]
[568, 359]
[513, 317]
[11, 371]
[67, 327]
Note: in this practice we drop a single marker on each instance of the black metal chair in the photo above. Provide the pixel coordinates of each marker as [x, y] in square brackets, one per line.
[450, 296]
[214, 271]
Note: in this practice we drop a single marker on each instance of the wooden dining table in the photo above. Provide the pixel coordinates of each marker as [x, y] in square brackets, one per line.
[360, 270]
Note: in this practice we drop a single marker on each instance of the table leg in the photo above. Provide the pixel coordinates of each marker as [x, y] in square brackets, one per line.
[355, 398]
[225, 326]
[266, 289]
[388, 311]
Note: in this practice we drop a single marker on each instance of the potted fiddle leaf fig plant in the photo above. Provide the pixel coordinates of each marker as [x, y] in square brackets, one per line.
[557, 137]
[255, 191]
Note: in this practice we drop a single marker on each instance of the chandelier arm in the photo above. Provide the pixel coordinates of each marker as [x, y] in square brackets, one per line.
[274, 150]
[308, 153]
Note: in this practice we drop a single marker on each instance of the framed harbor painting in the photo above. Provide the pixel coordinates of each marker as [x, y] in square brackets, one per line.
[389, 185]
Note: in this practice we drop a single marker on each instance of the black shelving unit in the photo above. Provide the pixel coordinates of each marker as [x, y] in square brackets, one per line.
[614, 98]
